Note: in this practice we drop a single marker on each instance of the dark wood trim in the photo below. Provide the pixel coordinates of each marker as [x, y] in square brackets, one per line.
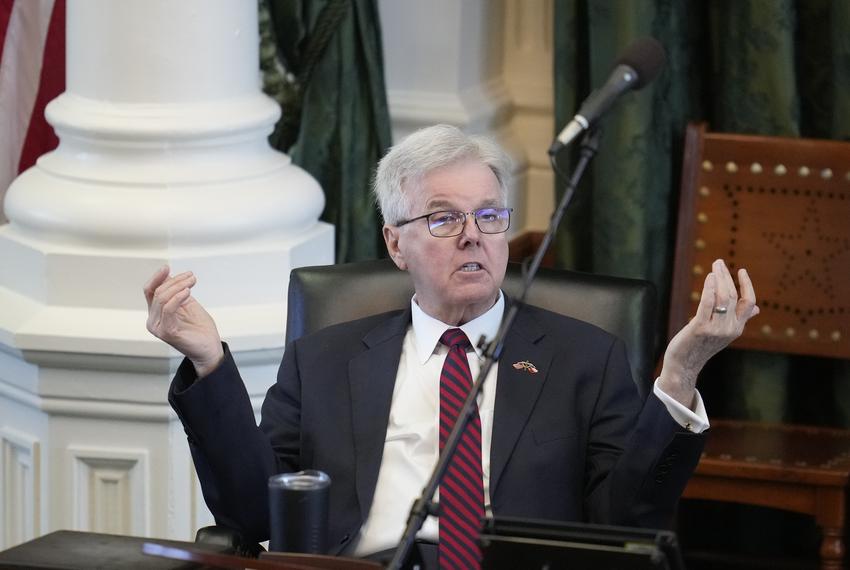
[526, 244]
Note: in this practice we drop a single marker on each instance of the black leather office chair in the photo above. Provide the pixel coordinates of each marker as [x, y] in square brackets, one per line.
[321, 296]
[325, 295]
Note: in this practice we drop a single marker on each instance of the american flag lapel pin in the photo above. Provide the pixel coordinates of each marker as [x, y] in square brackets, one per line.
[525, 365]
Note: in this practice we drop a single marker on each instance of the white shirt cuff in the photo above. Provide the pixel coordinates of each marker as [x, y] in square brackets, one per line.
[695, 420]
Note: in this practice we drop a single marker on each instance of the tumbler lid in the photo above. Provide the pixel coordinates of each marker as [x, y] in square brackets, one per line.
[300, 481]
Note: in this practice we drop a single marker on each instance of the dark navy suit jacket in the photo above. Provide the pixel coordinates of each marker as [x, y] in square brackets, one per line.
[572, 442]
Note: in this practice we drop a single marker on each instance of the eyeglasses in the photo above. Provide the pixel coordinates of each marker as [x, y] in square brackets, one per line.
[450, 224]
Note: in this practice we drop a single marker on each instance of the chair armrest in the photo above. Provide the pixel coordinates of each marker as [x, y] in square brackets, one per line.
[230, 539]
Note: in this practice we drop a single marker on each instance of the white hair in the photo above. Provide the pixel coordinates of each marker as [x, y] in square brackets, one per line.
[402, 169]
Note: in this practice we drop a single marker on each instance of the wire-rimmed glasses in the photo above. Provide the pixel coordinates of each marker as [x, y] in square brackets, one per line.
[448, 223]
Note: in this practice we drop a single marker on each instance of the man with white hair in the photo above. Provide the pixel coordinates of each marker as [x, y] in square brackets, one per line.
[370, 402]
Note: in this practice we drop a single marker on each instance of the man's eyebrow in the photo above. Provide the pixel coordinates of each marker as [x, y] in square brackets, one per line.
[446, 205]
[439, 204]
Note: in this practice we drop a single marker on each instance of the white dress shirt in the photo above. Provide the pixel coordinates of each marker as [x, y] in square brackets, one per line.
[411, 448]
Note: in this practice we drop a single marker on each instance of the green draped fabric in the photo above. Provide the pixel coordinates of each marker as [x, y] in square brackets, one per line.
[322, 60]
[773, 67]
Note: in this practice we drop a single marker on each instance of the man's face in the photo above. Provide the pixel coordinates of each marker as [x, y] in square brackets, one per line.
[456, 278]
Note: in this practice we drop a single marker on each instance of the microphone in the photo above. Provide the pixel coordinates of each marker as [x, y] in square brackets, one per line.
[639, 64]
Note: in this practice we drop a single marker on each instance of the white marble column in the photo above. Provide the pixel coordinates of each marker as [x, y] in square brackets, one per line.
[163, 158]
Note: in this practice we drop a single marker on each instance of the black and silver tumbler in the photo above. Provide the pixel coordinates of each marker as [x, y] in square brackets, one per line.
[298, 512]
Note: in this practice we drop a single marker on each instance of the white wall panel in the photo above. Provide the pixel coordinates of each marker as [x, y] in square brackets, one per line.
[110, 490]
[20, 482]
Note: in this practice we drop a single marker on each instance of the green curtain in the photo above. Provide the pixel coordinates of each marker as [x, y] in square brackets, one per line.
[322, 61]
[773, 67]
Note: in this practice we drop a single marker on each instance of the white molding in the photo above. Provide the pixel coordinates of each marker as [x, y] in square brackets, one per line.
[127, 363]
[88, 408]
[138, 123]
[110, 490]
[86, 330]
[99, 409]
[20, 483]
[477, 109]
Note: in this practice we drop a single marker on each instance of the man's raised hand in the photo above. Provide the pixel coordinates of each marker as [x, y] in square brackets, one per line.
[720, 319]
[175, 317]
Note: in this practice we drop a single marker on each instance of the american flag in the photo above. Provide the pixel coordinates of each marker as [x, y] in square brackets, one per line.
[32, 72]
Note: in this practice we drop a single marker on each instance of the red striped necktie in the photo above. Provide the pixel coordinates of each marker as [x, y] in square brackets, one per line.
[462, 487]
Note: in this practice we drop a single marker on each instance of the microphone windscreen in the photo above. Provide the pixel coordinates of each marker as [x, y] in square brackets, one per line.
[646, 56]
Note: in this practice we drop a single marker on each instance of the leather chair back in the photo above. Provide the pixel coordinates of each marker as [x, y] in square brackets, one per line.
[325, 295]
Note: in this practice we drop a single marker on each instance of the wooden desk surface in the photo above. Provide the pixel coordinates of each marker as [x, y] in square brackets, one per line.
[71, 550]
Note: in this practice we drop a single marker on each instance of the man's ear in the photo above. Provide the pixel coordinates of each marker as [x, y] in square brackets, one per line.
[391, 238]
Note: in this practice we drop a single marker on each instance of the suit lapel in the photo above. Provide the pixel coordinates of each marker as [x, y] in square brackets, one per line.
[517, 391]
[372, 377]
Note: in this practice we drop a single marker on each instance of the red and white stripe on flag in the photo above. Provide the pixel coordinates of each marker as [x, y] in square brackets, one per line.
[32, 72]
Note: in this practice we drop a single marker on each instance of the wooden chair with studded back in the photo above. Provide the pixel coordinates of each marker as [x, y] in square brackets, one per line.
[781, 208]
